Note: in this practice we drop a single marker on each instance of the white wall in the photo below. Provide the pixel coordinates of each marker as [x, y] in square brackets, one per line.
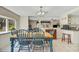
[24, 22]
[74, 20]
[5, 43]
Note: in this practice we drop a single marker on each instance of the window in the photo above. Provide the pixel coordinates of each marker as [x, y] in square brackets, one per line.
[2, 24]
[7, 24]
[11, 24]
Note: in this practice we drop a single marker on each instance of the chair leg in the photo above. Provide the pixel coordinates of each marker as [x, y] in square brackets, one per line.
[33, 48]
[28, 48]
[43, 48]
[20, 48]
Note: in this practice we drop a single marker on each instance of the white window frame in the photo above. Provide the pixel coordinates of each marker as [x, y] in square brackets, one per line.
[7, 18]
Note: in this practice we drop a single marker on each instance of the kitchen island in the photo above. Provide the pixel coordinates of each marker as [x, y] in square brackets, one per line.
[64, 46]
[74, 35]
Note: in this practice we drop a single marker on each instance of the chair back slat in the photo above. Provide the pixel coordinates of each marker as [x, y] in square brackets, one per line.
[21, 33]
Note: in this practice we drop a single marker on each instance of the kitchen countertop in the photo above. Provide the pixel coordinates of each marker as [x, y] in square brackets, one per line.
[70, 29]
[74, 35]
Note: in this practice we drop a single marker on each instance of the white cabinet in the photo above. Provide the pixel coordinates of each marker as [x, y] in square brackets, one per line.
[74, 35]
[74, 45]
[74, 19]
[64, 20]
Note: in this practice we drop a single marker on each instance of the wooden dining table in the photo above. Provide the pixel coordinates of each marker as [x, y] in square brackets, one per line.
[46, 36]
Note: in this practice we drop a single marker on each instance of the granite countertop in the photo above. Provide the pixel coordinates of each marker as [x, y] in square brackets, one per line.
[70, 30]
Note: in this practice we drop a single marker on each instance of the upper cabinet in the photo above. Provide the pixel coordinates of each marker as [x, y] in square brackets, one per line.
[64, 20]
[70, 20]
[74, 19]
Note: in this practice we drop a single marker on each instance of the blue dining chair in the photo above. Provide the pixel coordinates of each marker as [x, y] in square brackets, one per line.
[38, 39]
[23, 40]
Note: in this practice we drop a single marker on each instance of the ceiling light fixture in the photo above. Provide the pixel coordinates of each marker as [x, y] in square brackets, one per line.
[41, 12]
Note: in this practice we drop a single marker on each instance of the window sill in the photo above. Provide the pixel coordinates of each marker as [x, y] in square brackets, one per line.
[1, 33]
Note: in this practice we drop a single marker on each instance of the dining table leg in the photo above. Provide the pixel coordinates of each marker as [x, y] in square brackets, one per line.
[12, 44]
[51, 45]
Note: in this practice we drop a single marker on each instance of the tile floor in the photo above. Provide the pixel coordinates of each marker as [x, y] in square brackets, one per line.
[58, 46]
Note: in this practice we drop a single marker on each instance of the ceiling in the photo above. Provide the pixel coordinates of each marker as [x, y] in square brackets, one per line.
[54, 11]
